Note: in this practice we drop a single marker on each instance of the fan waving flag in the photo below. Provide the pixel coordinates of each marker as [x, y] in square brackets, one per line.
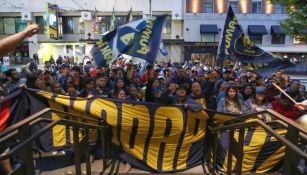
[139, 38]
[163, 49]
[237, 47]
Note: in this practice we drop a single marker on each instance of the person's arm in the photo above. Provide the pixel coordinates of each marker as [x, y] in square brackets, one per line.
[9, 43]
[302, 105]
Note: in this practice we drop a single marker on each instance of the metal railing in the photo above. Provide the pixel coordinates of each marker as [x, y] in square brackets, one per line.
[295, 134]
[22, 130]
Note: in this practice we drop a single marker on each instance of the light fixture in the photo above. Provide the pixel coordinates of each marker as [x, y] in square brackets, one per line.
[89, 36]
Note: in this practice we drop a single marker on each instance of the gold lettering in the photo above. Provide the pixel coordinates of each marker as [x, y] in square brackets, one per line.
[146, 34]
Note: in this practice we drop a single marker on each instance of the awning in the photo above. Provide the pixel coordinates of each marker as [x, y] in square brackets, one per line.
[257, 30]
[209, 28]
[276, 30]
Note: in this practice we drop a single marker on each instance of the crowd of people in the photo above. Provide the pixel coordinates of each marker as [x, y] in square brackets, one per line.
[229, 89]
[226, 89]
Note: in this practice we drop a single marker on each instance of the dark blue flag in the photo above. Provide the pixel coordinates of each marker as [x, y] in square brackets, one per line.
[163, 49]
[139, 38]
[235, 46]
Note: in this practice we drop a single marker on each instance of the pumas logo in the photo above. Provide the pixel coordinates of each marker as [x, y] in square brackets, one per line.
[244, 46]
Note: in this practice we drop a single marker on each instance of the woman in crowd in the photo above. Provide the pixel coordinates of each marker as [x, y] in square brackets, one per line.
[247, 91]
[231, 102]
[119, 85]
[258, 102]
[56, 88]
[68, 81]
[133, 93]
[72, 90]
[87, 90]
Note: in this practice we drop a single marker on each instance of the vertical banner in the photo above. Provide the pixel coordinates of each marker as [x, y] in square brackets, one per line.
[52, 21]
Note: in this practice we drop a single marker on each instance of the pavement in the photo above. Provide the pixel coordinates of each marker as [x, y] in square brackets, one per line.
[64, 165]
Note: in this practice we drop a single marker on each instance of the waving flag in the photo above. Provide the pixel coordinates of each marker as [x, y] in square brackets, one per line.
[94, 21]
[112, 27]
[129, 16]
[140, 39]
[163, 49]
[237, 47]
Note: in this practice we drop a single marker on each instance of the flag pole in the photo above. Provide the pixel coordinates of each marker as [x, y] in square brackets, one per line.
[283, 92]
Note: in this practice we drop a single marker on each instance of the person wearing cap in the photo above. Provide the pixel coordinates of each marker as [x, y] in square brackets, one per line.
[161, 81]
[294, 91]
[14, 80]
[188, 103]
[168, 74]
[182, 79]
[227, 75]
[258, 102]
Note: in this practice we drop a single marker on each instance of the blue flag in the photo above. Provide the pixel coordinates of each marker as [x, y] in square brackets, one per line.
[139, 38]
[237, 47]
[163, 49]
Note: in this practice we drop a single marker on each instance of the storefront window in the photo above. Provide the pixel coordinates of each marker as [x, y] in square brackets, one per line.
[168, 25]
[202, 58]
[257, 39]
[11, 25]
[72, 25]
[105, 22]
[41, 25]
[278, 39]
[207, 37]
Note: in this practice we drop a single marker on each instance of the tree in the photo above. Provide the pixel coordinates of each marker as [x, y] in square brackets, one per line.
[296, 23]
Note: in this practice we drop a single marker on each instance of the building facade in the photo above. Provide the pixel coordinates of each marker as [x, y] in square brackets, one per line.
[75, 32]
[204, 22]
[191, 33]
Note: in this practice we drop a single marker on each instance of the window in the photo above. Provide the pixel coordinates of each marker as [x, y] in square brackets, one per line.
[279, 8]
[208, 6]
[257, 39]
[168, 25]
[41, 25]
[278, 39]
[207, 37]
[234, 6]
[256, 7]
[72, 25]
[11, 25]
[105, 22]
[136, 17]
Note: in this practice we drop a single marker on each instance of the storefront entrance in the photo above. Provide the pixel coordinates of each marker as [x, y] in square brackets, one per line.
[200, 52]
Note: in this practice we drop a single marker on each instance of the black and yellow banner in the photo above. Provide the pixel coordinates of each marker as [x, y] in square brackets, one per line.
[236, 46]
[154, 137]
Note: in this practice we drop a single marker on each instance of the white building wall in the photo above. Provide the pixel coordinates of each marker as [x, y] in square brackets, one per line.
[104, 7]
[193, 21]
